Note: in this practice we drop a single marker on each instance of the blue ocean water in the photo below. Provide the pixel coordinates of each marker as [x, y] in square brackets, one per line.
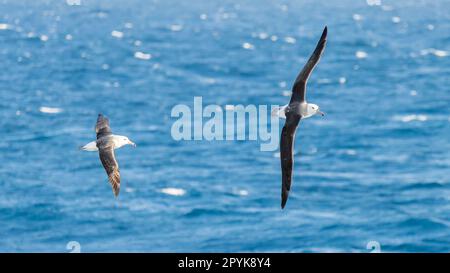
[376, 168]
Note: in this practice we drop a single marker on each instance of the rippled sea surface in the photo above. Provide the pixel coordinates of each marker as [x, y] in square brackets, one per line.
[375, 168]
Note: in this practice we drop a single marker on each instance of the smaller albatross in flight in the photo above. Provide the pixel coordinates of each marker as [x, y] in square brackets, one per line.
[293, 112]
[105, 144]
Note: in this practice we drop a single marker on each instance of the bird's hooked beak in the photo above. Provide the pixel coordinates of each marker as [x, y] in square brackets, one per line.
[132, 143]
[321, 113]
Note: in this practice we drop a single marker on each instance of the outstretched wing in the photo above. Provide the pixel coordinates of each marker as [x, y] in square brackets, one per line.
[102, 127]
[299, 88]
[111, 167]
[286, 154]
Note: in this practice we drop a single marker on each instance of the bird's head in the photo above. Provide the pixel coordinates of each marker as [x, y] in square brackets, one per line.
[315, 109]
[123, 140]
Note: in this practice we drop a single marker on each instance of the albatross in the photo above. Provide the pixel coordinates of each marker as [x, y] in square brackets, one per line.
[105, 144]
[293, 112]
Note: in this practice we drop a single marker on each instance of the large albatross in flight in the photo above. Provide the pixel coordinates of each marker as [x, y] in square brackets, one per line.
[106, 143]
[293, 112]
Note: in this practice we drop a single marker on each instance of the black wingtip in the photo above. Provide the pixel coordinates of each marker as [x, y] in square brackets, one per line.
[116, 190]
[284, 198]
[324, 33]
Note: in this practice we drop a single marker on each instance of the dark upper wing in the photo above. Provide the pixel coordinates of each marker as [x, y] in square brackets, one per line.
[111, 167]
[102, 127]
[299, 88]
[286, 155]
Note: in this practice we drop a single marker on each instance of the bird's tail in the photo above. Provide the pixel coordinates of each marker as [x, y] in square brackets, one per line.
[279, 111]
[90, 147]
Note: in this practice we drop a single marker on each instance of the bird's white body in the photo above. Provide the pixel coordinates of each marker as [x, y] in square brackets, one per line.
[306, 110]
[119, 141]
